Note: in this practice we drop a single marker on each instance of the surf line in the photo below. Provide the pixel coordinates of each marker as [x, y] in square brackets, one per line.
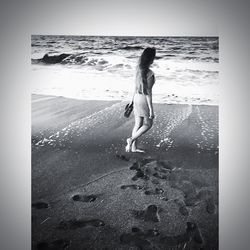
[167, 140]
[204, 127]
[52, 138]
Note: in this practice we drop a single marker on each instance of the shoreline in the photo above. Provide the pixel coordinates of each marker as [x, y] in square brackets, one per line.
[122, 100]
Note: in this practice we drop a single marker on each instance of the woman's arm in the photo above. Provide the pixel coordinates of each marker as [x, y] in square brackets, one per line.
[151, 81]
[134, 91]
[150, 105]
[133, 95]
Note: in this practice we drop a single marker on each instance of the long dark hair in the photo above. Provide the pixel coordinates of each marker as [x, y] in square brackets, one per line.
[145, 60]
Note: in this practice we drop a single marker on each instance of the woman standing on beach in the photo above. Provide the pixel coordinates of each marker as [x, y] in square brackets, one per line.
[142, 99]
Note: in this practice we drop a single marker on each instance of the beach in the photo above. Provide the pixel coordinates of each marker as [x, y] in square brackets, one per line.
[87, 193]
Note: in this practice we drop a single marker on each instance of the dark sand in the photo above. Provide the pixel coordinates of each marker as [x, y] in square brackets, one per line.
[87, 193]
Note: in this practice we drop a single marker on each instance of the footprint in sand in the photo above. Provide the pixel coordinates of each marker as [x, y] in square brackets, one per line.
[74, 224]
[139, 238]
[150, 214]
[149, 167]
[192, 233]
[210, 205]
[167, 165]
[154, 192]
[139, 167]
[133, 186]
[40, 205]
[61, 244]
[160, 176]
[182, 207]
[161, 169]
[158, 169]
[140, 163]
[190, 195]
[140, 175]
[183, 210]
[191, 201]
[122, 157]
[127, 238]
[84, 198]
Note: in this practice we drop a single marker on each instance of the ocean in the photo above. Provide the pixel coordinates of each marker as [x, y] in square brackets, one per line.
[103, 67]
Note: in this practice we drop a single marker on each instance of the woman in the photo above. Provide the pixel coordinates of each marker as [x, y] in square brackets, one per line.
[142, 99]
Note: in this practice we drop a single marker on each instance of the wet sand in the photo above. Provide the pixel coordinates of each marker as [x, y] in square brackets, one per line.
[87, 193]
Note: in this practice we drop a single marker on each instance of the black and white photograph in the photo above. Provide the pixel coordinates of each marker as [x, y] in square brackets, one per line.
[124, 142]
[124, 125]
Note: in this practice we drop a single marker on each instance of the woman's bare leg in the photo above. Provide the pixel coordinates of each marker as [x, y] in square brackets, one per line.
[147, 124]
[138, 124]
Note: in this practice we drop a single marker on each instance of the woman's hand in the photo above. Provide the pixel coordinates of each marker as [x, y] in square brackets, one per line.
[131, 102]
[151, 114]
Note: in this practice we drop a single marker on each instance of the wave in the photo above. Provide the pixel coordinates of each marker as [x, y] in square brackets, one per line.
[201, 71]
[99, 63]
[51, 59]
[131, 48]
[202, 59]
[208, 59]
[121, 64]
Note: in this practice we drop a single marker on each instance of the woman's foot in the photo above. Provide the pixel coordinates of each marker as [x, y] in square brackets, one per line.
[129, 144]
[137, 150]
[134, 148]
